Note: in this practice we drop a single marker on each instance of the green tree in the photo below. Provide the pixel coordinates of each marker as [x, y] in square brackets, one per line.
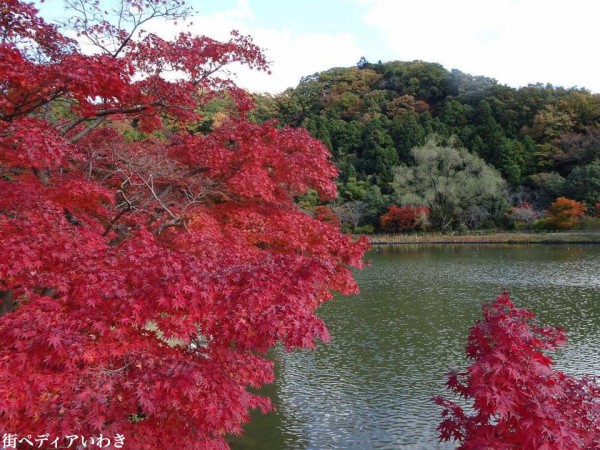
[266, 108]
[530, 155]
[512, 160]
[491, 133]
[549, 184]
[376, 204]
[353, 189]
[346, 105]
[407, 133]
[346, 137]
[423, 80]
[583, 183]
[449, 181]
[455, 114]
[317, 127]
[378, 153]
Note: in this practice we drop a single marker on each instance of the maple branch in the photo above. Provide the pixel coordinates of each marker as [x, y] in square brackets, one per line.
[132, 109]
[80, 8]
[65, 128]
[93, 156]
[104, 371]
[94, 25]
[115, 219]
[169, 13]
[43, 175]
[29, 106]
[122, 235]
[83, 133]
[171, 223]
[103, 114]
[207, 73]
[158, 199]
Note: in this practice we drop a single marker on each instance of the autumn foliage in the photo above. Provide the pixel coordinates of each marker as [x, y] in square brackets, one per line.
[404, 218]
[517, 399]
[565, 213]
[325, 214]
[141, 283]
[522, 215]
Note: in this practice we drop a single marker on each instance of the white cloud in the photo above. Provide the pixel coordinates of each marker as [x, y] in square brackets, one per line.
[517, 42]
[297, 55]
[292, 55]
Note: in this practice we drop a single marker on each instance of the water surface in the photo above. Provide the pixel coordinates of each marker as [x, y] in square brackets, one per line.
[392, 344]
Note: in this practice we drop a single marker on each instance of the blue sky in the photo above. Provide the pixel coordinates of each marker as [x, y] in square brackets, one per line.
[516, 42]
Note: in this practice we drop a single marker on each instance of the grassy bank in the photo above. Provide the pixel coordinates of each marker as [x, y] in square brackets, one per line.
[559, 237]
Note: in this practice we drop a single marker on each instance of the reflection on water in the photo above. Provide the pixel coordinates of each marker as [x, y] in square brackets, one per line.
[392, 344]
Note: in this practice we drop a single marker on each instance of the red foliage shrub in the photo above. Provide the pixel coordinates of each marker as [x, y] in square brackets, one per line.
[325, 214]
[404, 218]
[518, 400]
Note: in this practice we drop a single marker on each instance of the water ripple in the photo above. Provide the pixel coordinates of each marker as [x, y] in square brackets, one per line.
[393, 344]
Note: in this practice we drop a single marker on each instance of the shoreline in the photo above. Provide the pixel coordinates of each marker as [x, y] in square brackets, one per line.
[558, 237]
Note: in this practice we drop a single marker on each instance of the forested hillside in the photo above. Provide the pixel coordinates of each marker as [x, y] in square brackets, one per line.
[543, 141]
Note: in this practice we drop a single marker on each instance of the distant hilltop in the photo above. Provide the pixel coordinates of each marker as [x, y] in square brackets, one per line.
[543, 140]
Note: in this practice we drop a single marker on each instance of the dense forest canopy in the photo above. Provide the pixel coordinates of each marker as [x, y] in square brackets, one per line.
[543, 140]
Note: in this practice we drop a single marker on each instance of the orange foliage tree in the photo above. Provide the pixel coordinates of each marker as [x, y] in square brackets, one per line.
[565, 213]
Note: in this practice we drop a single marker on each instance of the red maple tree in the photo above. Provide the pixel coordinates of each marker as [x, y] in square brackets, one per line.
[142, 280]
[517, 399]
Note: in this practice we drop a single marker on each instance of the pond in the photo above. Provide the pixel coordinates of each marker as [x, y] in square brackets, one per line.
[393, 344]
